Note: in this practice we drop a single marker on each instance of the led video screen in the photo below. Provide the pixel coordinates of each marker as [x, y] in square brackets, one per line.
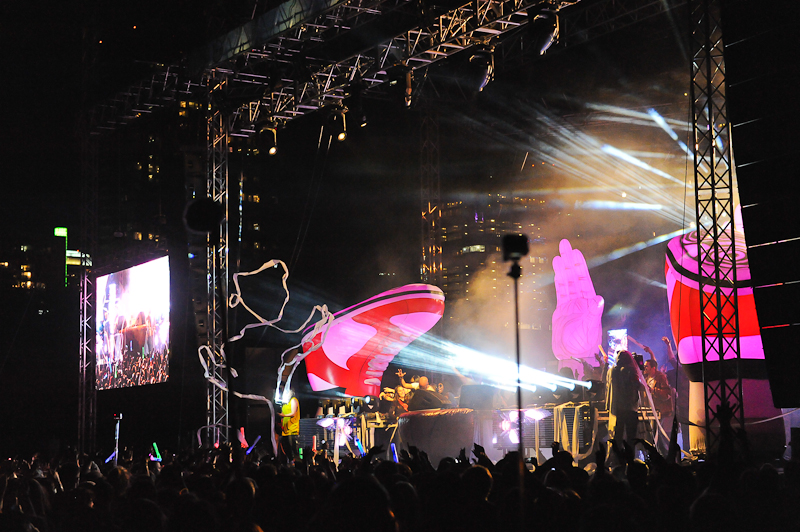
[132, 326]
[617, 341]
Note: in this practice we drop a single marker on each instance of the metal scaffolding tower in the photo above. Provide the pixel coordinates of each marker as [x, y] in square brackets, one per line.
[217, 271]
[716, 247]
[87, 393]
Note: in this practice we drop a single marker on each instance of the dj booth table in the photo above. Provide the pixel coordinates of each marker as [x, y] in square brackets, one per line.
[444, 432]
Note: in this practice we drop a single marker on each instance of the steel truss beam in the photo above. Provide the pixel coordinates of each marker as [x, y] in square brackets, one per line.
[217, 273]
[582, 22]
[312, 52]
[716, 248]
[303, 55]
[295, 75]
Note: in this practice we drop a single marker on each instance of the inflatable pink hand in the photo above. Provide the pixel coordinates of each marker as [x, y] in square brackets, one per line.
[577, 329]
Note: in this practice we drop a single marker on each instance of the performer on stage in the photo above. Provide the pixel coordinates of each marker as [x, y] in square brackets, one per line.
[421, 385]
[625, 388]
[290, 426]
[663, 398]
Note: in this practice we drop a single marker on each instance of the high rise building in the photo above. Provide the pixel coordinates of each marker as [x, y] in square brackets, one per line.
[474, 276]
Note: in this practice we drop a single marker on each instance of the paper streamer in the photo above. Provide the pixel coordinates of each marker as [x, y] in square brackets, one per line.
[212, 361]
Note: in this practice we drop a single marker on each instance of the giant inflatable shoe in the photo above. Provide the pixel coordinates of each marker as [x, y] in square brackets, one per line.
[683, 294]
[361, 341]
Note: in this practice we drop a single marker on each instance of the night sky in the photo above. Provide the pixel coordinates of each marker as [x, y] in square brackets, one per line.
[365, 211]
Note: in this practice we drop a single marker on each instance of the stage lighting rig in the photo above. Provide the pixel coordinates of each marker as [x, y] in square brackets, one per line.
[354, 102]
[543, 26]
[482, 61]
[338, 123]
[409, 85]
[268, 135]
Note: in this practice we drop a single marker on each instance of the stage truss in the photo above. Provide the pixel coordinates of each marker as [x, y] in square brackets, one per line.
[217, 272]
[716, 248]
[87, 394]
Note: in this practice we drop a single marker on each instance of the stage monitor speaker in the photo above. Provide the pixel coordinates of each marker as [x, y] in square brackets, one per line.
[477, 396]
[259, 422]
[762, 76]
[425, 400]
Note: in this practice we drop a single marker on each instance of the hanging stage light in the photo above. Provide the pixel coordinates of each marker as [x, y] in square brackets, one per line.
[409, 91]
[338, 123]
[269, 138]
[355, 103]
[482, 59]
[543, 26]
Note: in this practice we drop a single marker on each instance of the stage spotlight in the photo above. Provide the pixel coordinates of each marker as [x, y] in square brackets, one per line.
[543, 26]
[483, 60]
[269, 138]
[409, 86]
[354, 102]
[338, 123]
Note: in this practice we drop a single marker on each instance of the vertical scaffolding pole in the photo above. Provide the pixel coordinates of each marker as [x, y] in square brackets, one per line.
[217, 272]
[87, 393]
[714, 194]
[430, 199]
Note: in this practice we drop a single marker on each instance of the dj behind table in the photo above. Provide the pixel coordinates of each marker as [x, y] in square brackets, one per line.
[484, 419]
[483, 416]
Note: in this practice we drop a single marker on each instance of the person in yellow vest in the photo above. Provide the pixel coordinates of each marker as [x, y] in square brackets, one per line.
[290, 426]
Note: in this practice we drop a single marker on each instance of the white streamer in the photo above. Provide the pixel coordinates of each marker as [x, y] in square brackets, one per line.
[205, 353]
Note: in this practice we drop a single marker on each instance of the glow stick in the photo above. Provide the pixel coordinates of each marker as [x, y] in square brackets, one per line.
[258, 438]
[111, 457]
[394, 453]
[360, 447]
[158, 454]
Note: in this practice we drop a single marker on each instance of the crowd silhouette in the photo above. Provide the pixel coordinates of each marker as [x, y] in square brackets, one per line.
[225, 490]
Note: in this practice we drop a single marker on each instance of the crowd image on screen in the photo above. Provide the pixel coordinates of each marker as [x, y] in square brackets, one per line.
[132, 326]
